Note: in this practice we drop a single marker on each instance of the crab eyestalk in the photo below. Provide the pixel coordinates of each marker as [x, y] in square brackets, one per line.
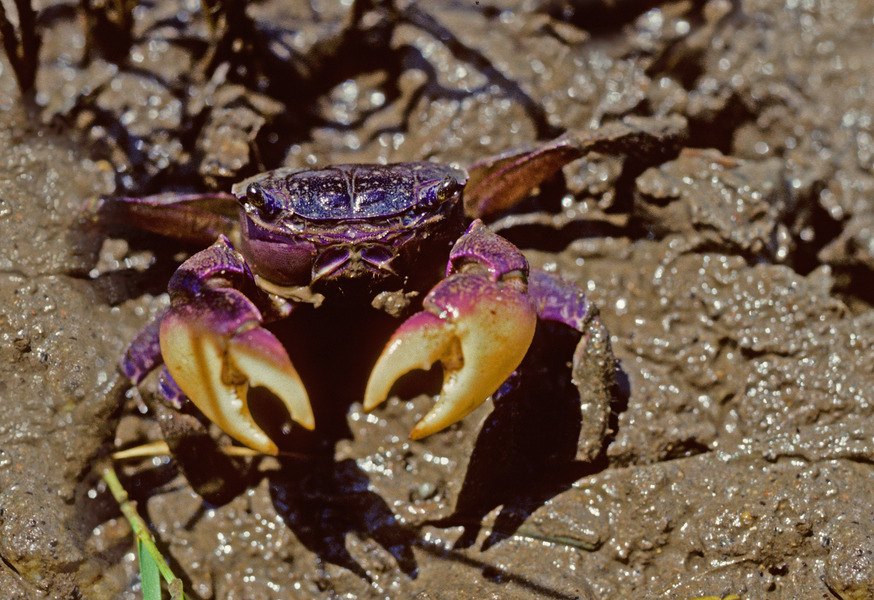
[478, 323]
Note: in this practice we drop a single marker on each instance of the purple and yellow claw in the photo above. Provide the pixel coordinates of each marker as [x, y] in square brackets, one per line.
[477, 328]
[215, 366]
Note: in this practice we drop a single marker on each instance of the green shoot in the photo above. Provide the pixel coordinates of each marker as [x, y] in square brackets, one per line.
[152, 563]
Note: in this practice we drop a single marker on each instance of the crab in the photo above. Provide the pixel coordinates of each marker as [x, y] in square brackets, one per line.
[344, 235]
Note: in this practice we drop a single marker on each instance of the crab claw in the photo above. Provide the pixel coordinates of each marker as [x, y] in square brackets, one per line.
[478, 328]
[215, 349]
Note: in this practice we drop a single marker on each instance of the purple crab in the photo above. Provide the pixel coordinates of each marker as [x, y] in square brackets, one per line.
[344, 235]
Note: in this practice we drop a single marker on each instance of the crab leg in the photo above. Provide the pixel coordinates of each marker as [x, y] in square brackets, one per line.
[192, 218]
[500, 182]
[478, 322]
[143, 354]
[215, 348]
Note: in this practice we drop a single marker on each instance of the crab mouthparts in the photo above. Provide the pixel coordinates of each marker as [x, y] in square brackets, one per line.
[345, 260]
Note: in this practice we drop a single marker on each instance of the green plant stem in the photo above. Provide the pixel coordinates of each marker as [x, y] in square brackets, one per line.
[141, 532]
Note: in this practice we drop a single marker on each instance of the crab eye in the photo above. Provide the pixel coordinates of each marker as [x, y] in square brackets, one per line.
[447, 188]
[265, 203]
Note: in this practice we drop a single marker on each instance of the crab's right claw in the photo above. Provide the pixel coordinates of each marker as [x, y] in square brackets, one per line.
[478, 328]
[215, 349]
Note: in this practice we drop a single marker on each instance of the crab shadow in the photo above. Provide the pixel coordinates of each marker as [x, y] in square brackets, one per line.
[527, 449]
[326, 502]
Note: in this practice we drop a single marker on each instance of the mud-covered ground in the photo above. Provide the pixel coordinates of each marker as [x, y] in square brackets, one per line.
[732, 264]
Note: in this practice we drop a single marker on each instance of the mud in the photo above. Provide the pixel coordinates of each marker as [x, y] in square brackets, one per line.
[732, 268]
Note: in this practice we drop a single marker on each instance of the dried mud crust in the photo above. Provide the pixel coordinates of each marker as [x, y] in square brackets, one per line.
[731, 269]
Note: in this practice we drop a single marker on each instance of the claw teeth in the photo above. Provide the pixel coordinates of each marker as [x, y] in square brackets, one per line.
[417, 344]
[483, 335]
[216, 372]
[259, 355]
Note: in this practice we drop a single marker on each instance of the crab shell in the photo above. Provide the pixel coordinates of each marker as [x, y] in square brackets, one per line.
[351, 230]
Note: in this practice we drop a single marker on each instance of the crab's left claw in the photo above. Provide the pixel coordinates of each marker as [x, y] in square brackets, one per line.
[479, 328]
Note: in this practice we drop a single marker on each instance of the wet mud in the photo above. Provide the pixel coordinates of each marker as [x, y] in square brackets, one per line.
[731, 261]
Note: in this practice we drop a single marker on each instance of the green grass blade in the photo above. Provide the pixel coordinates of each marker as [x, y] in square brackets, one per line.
[152, 563]
[150, 576]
